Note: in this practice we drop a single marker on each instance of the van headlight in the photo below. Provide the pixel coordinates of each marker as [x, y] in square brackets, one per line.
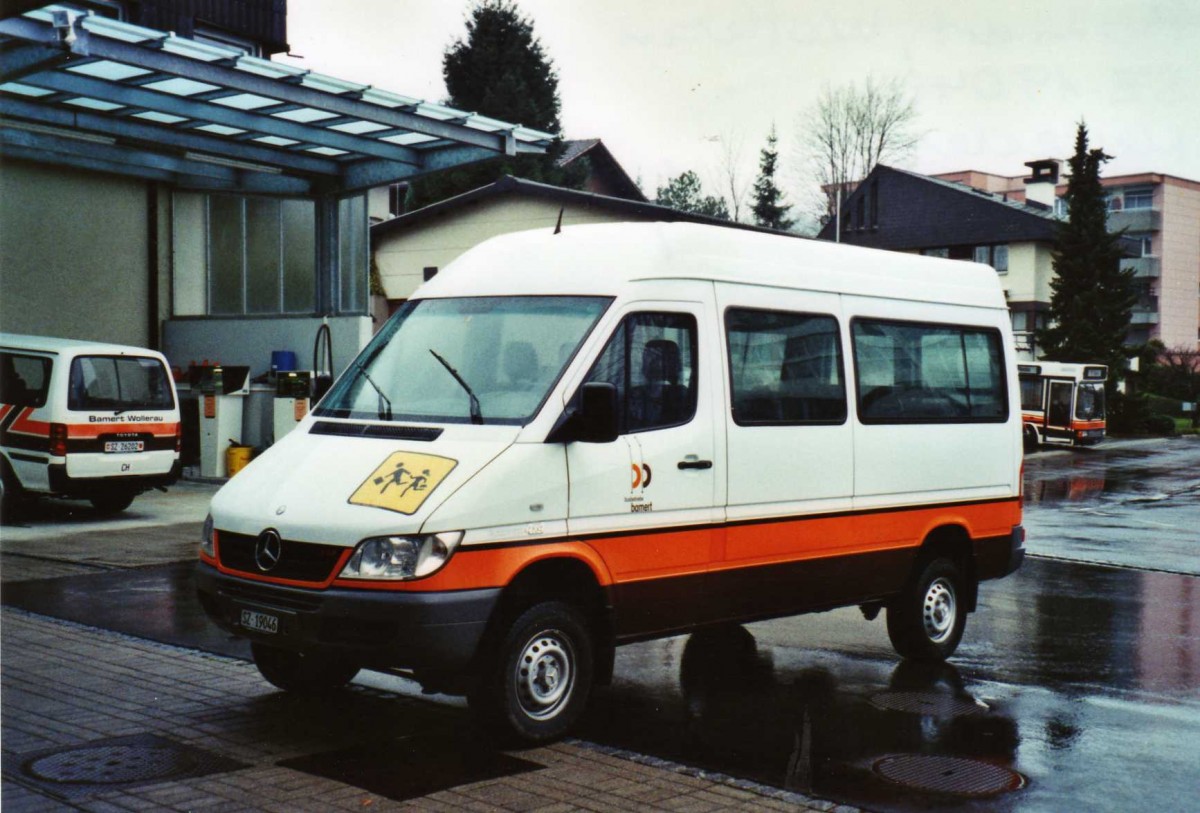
[401, 557]
[206, 538]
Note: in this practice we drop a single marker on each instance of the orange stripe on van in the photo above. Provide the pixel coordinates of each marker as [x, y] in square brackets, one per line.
[28, 427]
[95, 430]
[747, 544]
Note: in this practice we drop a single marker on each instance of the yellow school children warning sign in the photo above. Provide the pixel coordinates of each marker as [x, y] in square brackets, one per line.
[403, 481]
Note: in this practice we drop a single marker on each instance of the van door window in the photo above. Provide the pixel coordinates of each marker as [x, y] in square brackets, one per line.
[118, 383]
[651, 360]
[24, 380]
[785, 368]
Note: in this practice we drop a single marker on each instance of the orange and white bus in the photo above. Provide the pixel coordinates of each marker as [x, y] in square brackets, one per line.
[1062, 402]
[567, 442]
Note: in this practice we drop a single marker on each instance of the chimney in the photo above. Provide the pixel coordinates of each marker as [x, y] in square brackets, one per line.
[1040, 185]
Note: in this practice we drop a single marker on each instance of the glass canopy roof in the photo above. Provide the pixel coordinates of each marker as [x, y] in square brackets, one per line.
[87, 91]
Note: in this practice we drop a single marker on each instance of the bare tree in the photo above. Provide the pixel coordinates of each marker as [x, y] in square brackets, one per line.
[732, 171]
[852, 128]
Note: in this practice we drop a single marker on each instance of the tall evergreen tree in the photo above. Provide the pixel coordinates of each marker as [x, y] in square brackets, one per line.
[1092, 296]
[769, 209]
[501, 70]
[685, 194]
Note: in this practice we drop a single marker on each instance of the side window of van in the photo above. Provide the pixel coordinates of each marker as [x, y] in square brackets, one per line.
[24, 380]
[651, 360]
[917, 373]
[785, 368]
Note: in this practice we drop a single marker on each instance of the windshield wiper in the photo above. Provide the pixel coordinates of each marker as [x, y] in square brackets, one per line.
[385, 403]
[476, 414]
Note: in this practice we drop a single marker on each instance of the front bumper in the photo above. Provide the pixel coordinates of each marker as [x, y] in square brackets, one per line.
[437, 631]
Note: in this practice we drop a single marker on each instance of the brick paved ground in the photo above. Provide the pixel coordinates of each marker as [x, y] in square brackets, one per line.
[69, 685]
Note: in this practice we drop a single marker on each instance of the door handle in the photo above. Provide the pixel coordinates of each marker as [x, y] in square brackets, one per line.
[695, 464]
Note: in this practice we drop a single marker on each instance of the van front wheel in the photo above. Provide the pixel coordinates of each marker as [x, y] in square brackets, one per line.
[925, 622]
[538, 681]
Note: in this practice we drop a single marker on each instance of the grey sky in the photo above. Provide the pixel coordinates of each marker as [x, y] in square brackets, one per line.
[995, 83]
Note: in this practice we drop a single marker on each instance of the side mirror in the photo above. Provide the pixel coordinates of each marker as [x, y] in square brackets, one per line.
[593, 421]
[598, 413]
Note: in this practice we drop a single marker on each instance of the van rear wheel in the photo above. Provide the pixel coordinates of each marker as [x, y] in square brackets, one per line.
[535, 685]
[112, 503]
[925, 622]
[301, 672]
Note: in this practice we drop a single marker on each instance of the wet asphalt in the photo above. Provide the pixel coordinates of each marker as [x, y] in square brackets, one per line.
[1076, 687]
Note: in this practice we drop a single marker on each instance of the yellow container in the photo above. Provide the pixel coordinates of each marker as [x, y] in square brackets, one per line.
[236, 458]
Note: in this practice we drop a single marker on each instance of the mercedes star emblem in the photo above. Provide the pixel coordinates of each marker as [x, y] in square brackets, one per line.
[268, 549]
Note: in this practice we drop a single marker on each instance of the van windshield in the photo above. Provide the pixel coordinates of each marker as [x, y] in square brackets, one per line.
[473, 359]
[119, 383]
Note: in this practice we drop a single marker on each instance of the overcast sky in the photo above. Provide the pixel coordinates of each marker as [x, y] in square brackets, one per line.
[996, 82]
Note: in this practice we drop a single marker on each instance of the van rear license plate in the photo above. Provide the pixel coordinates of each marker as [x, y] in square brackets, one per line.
[124, 446]
[260, 622]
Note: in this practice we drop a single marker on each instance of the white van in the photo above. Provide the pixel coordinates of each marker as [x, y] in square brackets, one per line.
[567, 442]
[85, 420]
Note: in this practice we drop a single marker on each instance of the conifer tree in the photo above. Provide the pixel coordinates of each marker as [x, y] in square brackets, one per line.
[501, 70]
[685, 194]
[1092, 296]
[769, 209]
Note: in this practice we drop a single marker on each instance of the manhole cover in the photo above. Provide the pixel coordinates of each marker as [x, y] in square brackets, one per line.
[951, 776]
[933, 704]
[100, 766]
[112, 764]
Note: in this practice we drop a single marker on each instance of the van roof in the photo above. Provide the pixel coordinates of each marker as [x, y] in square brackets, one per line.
[65, 347]
[603, 259]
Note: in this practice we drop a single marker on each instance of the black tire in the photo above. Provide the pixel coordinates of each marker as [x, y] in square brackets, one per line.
[302, 672]
[925, 622]
[535, 685]
[111, 503]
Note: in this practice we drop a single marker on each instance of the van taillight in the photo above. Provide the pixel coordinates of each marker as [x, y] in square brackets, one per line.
[58, 440]
[178, 438]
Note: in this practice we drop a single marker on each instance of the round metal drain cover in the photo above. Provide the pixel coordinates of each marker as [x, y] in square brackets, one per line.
[933, 704]
[951, 776]
[111, 764]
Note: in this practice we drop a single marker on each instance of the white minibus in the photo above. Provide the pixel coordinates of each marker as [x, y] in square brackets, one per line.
[567, 442]
[1063, 402]
[85, 420]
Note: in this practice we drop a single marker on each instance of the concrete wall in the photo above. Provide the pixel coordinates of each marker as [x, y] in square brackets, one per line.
[73, 254]
[1179, 284]
[1030, 269]
[403, 256]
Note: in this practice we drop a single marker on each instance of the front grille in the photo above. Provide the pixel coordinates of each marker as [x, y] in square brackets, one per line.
[298, 561]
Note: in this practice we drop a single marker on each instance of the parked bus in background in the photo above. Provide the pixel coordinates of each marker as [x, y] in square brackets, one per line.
[1062, 402]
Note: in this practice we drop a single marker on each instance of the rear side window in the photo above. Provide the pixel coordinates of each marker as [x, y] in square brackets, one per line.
[918, 373]
[785, 368]
[24, 380]
[118, 383]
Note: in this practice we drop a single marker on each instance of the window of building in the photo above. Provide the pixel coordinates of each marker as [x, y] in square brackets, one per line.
[216, 36]
[1145, 241]
[922, 373]
[944, 253]
[651, 360]
[243, 256]
[995, 256]
[785, 368]
[353, 251]
[1060, 207]
[1139, 198]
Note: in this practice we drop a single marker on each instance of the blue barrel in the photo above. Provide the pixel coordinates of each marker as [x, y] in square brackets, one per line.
[283, 361]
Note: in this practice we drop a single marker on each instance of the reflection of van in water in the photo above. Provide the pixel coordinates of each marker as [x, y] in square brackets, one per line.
[620, 432]
[1062, 402]
[85, 420]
